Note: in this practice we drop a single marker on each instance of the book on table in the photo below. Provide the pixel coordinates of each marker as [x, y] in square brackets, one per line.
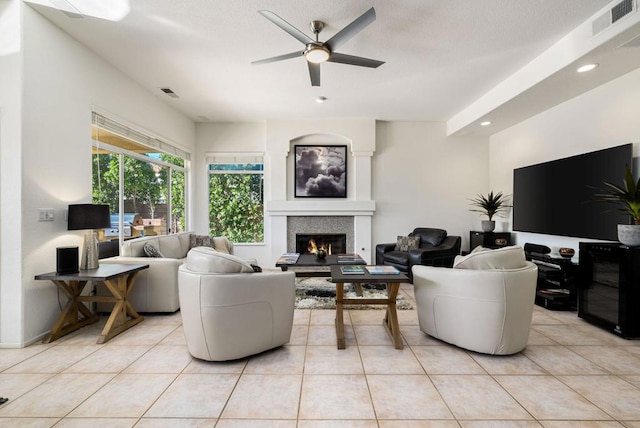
[352, 270]
[288, 258]
[382, 270]
[349, 258]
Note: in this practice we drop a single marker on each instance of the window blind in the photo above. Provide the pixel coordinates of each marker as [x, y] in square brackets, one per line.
[233, 158]
[137, 136]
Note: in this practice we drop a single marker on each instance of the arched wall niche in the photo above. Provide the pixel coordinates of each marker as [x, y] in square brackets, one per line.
[352, 213]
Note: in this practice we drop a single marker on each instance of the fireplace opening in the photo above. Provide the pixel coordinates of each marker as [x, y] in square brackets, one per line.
[332, 243]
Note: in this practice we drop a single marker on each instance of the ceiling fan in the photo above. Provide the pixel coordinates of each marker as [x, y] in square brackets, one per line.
[317, 52]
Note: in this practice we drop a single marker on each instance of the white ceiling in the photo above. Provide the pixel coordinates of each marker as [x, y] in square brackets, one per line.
[441, 56]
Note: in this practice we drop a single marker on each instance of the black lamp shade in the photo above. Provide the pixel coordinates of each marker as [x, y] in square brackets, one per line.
[88, 216]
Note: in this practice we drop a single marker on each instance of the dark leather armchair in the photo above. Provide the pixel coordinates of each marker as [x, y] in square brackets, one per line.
[435, 248]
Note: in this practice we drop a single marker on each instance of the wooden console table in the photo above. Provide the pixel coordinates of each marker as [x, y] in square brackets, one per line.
[390, 321]
[119, 280]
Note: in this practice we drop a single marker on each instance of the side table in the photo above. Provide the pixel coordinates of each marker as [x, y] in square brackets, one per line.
[489, 239]
[119, 280]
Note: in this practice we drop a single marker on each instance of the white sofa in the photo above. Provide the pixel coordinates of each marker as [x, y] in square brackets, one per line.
[484, 303]
[156, 288]
[230, 312]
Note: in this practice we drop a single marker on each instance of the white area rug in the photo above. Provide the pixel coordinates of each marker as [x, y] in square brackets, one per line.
[320, 293]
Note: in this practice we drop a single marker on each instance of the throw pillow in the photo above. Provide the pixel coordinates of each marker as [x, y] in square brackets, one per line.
[407, 243]
[479, 249]
[208, 260]
[220, 243]
[502, 258]
[151, 251]
[201, 241]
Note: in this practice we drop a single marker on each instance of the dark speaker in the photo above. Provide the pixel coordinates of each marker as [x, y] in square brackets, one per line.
[67, 260]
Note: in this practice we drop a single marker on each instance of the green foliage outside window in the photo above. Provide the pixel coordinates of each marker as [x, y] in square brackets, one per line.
[105, 181]
[145, 186]
[236, 206]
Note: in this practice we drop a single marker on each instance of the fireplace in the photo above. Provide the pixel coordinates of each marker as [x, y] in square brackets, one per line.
[333, 243]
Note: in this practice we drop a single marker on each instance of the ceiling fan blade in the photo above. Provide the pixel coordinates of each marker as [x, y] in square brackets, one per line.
[354, 60]
[278, 58]
[351, 30]
[299, 35]
[314, 73]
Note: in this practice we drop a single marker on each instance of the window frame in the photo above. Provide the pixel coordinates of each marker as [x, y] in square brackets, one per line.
[158, 147]
[244, 158]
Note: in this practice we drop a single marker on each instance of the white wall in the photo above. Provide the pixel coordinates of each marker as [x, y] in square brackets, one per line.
[422, 178]
[61, 82]
[234, 137]
[604, 117]
[11, 324]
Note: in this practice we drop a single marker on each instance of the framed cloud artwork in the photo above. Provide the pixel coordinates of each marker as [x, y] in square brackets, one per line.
[321, 171]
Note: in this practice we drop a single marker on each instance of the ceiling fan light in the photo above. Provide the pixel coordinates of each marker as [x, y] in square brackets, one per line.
[316, 54]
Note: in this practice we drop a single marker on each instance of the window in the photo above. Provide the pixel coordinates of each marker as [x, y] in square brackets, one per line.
[236, 197]
[143, 185]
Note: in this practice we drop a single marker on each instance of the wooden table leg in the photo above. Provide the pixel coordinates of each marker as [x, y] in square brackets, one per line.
[340, 315]
[390, 321]
[358, 288]
[123, 316]
[68, 320]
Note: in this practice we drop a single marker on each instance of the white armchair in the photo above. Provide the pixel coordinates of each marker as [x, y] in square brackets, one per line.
[484, 304]
[228, 311]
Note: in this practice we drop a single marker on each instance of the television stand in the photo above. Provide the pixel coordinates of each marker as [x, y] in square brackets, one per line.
[556, 288]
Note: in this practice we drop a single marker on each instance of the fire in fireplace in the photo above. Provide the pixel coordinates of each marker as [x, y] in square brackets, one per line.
[332, 243]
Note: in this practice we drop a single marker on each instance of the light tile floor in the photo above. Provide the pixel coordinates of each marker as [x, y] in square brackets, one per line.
[571, 374]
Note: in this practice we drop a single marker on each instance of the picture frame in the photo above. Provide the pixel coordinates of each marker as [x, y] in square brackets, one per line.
[320, 171]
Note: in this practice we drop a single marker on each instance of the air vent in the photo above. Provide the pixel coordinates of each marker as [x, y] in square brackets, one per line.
[623, 8]
[612, 16]
[169, 92]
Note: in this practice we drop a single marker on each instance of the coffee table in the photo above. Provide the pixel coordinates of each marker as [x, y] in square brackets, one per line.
[119, 279]
[390, 321]
[319, 267]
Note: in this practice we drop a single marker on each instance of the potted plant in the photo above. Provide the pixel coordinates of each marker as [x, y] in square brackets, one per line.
[490, 205]
[628, 200]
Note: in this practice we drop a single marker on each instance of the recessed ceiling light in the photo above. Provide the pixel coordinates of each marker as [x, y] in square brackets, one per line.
[485, 123]
[586, 67]
[321, 99]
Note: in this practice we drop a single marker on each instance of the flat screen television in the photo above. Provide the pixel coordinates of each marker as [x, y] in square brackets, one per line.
[557, 197]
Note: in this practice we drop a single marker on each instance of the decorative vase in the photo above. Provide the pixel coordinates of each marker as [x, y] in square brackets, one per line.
[566, 252]
[488, 225]
[321, 254]
[629, 234]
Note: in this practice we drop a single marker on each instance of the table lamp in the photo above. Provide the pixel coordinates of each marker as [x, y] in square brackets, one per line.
[89, 217]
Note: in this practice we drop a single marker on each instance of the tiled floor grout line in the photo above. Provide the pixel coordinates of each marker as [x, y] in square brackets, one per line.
[624, 347]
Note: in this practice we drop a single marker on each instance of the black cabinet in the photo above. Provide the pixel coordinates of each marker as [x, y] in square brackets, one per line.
[609, 289]
[557, 281]
[489, 239]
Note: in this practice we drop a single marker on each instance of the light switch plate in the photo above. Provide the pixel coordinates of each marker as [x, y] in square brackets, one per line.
[46, 214]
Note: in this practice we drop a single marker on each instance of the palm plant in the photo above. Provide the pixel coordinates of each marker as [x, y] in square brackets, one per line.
[627, 197]
[490, 205]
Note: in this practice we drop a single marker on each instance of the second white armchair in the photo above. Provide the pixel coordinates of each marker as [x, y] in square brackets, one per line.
[484, 304]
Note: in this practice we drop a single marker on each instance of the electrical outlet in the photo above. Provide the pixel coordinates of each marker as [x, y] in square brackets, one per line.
[46, 214]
